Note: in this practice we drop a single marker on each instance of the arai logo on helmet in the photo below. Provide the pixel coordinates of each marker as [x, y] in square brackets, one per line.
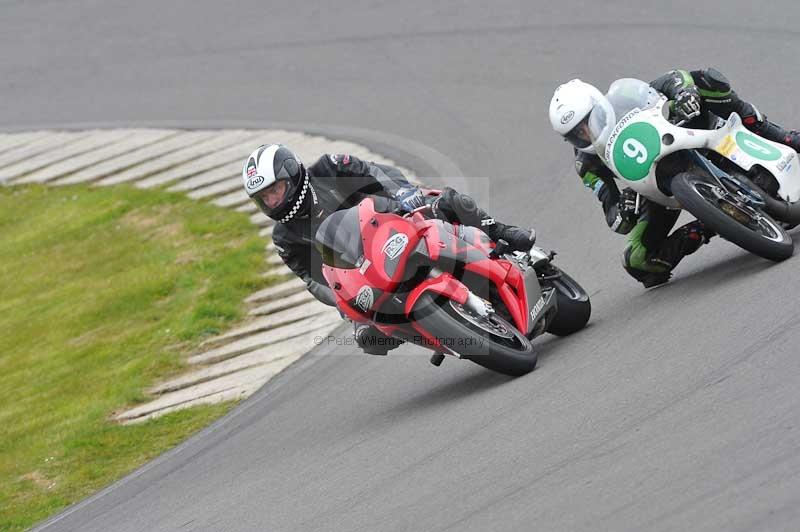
[254, 182]
[365, 298]
[567, 117]
[395, 245]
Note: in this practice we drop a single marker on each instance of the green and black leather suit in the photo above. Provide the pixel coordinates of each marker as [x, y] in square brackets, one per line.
[652, 253]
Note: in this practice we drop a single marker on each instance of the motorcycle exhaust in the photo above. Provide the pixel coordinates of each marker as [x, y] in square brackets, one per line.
[781, 210]
[778, 209]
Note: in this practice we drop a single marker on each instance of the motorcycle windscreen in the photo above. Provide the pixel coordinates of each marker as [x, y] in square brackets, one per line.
[338, 239]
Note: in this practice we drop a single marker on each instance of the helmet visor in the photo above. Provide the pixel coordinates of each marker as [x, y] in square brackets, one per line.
[580, 135]
[274, 195]
[601, 120]
[272, 199]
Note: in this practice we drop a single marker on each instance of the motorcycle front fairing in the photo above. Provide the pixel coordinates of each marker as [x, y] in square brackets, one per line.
[368, 255]
[643, 137]
[456, 250]
[365, 253]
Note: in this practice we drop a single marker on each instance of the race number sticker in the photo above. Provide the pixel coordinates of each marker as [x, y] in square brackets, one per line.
[637, 146]
[757, 147]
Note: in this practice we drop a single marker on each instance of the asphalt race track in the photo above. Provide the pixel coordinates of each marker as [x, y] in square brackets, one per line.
[677, 409]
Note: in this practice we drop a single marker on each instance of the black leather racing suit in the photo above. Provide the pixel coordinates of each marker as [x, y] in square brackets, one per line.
[336, 182]
[340, 182]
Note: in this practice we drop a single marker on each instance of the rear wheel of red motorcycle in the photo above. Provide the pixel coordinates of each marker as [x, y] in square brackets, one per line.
[496, 345]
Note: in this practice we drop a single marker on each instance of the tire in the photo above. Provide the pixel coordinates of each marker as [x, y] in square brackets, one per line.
[573, 306]
[765, 238]
[514, 357]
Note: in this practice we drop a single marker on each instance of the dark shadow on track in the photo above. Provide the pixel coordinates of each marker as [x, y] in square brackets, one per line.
[705, 281]
[455, 390]
[550, 345]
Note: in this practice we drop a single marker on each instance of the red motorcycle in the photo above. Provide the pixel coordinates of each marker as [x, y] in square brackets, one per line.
[447, 287]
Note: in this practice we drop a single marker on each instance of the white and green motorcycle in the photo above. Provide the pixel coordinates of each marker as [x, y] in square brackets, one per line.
[733, 181]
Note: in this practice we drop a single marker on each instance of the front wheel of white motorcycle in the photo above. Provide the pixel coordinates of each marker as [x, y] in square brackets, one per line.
[735, 221]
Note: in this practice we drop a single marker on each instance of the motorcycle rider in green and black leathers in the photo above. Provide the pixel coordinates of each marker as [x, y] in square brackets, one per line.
[696, 97]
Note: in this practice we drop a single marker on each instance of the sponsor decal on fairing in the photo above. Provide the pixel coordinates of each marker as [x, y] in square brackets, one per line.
[396, 244]
[365, 298]
[537, 308]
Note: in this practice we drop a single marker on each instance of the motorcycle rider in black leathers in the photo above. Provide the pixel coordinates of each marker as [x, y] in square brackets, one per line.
[695, 96]
[300, 198]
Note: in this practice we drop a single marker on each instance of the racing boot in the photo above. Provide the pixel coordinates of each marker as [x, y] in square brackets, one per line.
[697, 231]
[456, 207]
[518, 239]
[684, 241]
[648, 279]
[657, 267]
[774, 132]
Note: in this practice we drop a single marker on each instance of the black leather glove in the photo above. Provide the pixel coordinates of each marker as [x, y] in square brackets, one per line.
[627, 216]
[687, 104]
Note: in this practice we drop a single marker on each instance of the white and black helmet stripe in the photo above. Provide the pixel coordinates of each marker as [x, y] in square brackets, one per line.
[259, 172]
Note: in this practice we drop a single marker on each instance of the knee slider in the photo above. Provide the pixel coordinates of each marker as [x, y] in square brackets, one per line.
[626, 258]
[636, 273]
[464, 203]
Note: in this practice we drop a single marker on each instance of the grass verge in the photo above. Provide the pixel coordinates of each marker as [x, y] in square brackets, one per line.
[103, 291]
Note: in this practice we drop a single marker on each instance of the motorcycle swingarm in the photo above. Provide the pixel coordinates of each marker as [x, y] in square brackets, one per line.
[747, 195]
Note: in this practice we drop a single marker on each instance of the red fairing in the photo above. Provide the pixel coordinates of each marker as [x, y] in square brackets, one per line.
[385, 237]
[445, 284]
[387, 242]
[431, 341]
[429, 228]
[510, 286]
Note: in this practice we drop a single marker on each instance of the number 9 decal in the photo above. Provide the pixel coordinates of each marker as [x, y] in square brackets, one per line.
[635, 150]
[752, 145]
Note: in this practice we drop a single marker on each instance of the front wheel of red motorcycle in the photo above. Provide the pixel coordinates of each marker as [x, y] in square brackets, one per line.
[489, 341]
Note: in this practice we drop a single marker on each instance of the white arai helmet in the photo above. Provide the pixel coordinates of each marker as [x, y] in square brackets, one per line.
[276, 181]
[582, 115]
